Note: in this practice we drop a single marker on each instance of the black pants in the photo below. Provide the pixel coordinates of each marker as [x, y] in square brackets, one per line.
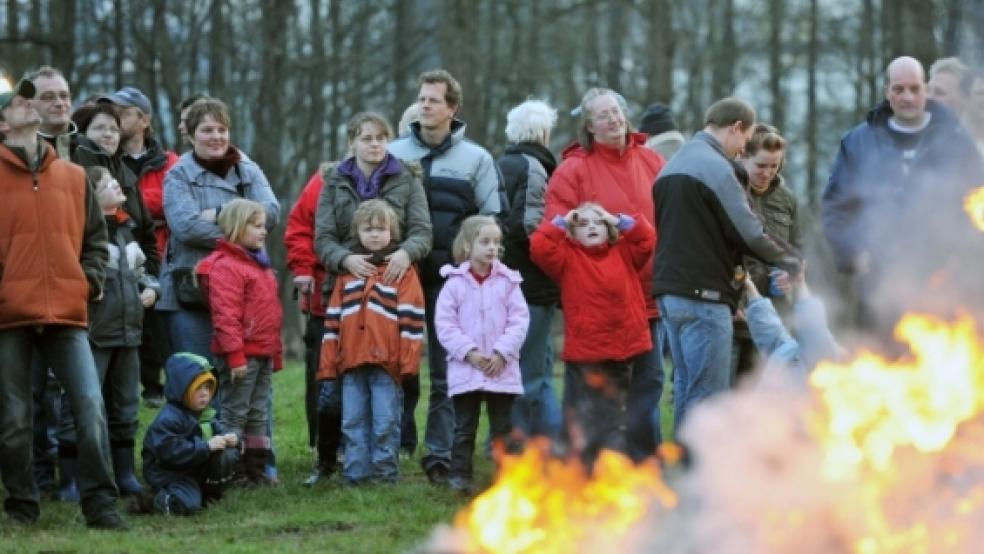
[154, 351]
[595, 407]
[467, 410]
[313, 333]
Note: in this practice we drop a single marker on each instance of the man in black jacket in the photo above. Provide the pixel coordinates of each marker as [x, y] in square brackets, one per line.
[705, 225]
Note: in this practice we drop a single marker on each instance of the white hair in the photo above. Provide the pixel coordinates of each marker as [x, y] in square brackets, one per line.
[530, 121]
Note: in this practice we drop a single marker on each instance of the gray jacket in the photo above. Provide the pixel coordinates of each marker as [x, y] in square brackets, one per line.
[188, 190]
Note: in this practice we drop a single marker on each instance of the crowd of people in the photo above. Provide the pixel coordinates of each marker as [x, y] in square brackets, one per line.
[120, 260]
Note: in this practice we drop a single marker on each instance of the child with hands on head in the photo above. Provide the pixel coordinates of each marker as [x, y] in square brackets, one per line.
[481, 319]
[373, 339]
[595, 257]
[189, 457]
[241, 290]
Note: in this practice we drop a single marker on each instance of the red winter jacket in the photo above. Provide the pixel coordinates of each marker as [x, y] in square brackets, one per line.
[299, 239]
[246, 312]
[621, 183]
[604, 313]
[151, 187]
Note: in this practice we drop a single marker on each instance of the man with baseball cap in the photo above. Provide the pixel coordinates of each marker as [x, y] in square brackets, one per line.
[51, 267]
[150, 162]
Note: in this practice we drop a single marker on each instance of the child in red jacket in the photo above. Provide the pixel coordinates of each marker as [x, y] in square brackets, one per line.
[246, 318]
[595, 257]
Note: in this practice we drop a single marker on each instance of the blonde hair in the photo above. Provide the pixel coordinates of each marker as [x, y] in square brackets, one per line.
[595, 207]
[236, 216]
[376, 210]
[470, 228]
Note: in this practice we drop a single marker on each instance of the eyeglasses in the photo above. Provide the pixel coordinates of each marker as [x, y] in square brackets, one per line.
[610, 115]
[52, 96]
[105, 129]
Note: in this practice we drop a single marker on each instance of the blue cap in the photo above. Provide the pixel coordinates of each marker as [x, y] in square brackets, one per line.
[128, 97]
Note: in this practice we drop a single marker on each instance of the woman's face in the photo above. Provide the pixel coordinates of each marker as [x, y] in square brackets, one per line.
[104, 131]
[369, 147]
[210, 139]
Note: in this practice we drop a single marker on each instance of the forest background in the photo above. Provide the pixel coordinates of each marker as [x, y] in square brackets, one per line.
[294, 71]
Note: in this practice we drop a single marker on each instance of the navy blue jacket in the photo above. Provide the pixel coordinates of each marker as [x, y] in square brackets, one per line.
[175, 446]
[883, 201]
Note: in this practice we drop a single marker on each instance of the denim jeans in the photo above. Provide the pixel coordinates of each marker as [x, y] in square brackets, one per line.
[537, 411]
[439, 431]
[246, 401]
[191, 331]
[371, 406]
[119, 377]
[329, 422]
[66, 351]
[700, 335]
[47, 414]
[644, 432]
[596, 398]
[467, 410]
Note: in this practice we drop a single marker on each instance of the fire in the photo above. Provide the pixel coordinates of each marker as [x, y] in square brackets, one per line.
[974, 206]
[545, 505]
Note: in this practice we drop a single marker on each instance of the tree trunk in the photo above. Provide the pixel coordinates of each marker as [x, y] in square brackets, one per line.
[813, 53]
[777, 22]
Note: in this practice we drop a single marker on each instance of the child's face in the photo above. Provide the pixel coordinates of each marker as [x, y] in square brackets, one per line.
[202, 396]
[255, 233]
[374, 235]
[108, 193]
[486, 247]
[590, 228]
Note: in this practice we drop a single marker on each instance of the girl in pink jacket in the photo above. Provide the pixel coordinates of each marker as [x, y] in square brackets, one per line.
[481, 319]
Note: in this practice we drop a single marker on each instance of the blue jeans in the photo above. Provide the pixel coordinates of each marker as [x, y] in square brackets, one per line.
[119, 375]
[371, 406]
[700, 335]
[644, 432]
[66, 351]
[191, 331]
[439, 432]
[537, 411]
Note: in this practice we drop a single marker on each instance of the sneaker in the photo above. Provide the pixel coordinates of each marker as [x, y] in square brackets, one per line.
[109, 521]
[437, 475]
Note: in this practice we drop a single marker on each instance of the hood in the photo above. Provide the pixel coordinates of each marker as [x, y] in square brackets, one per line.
[16, 160]
[538, 151]
[180, 371]
[498, 268]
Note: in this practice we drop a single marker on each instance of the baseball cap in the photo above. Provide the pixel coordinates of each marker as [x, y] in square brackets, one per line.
[128, 97]
[23, 88]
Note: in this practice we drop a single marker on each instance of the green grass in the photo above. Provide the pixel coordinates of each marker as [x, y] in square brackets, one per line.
[290, 518]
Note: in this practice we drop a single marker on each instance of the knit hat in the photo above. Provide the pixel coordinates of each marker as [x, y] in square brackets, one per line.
[199, 380]
[657, 119]
[128, 97]
[23, 88]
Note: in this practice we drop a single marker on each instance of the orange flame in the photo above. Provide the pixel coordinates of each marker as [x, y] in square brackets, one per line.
[974, 206]
[546, 506]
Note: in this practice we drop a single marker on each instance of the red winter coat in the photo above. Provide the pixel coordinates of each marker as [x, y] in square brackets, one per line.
[299, 239]
[151, 187]
[246, 312]
[621, 183]
[604, 313]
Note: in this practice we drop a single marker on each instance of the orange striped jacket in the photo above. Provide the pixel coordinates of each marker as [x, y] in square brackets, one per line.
[368, 322]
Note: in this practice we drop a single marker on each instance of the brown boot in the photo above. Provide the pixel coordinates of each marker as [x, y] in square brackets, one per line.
[254, 463]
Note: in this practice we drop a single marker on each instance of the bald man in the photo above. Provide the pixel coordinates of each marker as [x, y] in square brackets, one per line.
[892, 206]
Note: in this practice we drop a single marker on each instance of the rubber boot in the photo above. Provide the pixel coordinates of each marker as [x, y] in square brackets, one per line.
[68, 485]
[254, 462]
[126, 478]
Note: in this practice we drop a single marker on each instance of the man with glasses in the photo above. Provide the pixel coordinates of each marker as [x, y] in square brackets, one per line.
[53, 102]
[51, 267]
[611, 165]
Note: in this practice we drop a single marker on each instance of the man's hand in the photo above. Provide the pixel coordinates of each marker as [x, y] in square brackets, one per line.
[304, 284]
[237, 373]
[217, 443]
[148, 297]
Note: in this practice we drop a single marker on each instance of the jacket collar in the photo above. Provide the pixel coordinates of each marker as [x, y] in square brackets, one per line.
[498, 268]
[536, 150]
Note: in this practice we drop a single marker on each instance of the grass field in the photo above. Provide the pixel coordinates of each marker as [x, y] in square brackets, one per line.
[290, 518]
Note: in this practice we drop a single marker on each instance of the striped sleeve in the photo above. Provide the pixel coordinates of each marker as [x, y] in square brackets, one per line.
[410, 314]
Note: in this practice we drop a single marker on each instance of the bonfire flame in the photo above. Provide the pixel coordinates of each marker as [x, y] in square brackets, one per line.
[546, 505]
[974, 206]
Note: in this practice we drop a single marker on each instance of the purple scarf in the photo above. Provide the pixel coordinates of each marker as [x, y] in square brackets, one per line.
[368, 189]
